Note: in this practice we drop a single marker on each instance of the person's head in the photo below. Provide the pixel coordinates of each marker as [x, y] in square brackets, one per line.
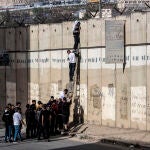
[44, 106]
[65, 91]
[6, 108]
[34, 101]
[28, 106]
[18, 104]
[52, 98]
[39, 102]
[9, 105]
[64, 99]
[68, 51]
[77, 23]
[12, 107]
[60, 100]
[16, 109]
[33, 106]
[48, 107]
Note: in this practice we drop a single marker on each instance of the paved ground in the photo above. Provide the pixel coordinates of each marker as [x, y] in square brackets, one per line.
[115, 135]
[85, 137]
[64, 143]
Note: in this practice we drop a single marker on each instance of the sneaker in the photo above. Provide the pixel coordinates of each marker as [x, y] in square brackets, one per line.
[15, 142]
[10, 141]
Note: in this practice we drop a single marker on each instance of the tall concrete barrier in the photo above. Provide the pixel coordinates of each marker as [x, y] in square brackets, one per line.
[115, 95]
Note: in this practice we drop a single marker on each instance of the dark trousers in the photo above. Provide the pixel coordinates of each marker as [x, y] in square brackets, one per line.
[8, 132]
[76, 41]
[44, 130]
[72, 67]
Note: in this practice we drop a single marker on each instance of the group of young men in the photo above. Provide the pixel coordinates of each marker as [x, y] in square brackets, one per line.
[42, 119]
[12, 117]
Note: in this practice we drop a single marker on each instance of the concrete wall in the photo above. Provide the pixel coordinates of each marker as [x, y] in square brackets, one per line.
[108, 96]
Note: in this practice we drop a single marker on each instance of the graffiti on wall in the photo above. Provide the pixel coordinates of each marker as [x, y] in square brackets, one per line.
[108, 103]
[123, 107]
[138, 104]
[124, 103]
[83, 97]
[54, 90]
[96, 96]
[33, 91]
[148, 109]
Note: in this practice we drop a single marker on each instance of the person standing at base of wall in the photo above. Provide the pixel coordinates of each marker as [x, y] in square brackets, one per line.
[8, 119]
[72, 64]
[17, 120]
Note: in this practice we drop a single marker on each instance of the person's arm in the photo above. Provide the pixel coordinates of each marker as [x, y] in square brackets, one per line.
[21, 120]
[42, 120]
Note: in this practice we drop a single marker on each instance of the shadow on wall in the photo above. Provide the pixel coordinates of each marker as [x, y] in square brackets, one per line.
[78, 114]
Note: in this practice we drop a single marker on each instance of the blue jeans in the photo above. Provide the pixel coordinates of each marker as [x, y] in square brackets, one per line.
[8, 131]
[17, 132]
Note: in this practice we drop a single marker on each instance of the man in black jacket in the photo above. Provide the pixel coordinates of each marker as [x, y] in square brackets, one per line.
[8, 119]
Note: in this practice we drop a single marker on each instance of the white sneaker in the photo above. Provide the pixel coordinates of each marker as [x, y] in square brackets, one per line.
[15, 142]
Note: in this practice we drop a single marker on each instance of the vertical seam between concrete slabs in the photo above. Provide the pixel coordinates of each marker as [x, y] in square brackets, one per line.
[62, 28]
[5, 70]
[15, 63]
[115, 79]
[27, 47]
[146, 78]
[130, 72]
[50, 60]
[101, 70]
[87, 75]
[38, 66]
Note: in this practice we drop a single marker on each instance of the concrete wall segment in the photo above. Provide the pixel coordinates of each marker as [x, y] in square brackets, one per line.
[84, 99]
[84, 34]
[138, 26]
[65, 72]
[11, 81]
[56, 71]
[34, 37]
[21, 39]
[2, 40]
[67, 35]
[94, 86]
[10, 39]
[148, 27]
[22, 81]
[138, 87]
[56, 33]
[44, 76]
[94, 32]
[102, 32]
[123, 94]
[44, 36]
[127, 22]
[3, 88]
[148, 90]
[33, 76]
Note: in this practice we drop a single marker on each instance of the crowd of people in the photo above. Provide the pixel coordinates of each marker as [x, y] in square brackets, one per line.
[41, 119]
